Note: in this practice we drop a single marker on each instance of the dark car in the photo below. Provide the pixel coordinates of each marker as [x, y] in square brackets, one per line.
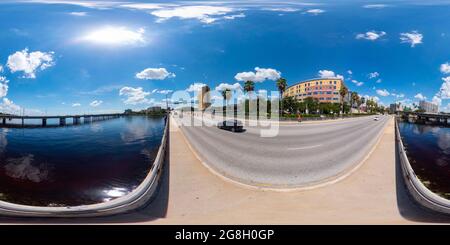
[232, 125]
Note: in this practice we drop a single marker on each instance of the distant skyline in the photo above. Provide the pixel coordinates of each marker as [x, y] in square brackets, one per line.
[65, 57]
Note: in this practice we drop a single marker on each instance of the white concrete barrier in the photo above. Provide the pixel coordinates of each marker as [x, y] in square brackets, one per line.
[135, 199]
[418, 190]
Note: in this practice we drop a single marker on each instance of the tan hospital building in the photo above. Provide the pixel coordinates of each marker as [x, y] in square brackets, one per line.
[323, 89]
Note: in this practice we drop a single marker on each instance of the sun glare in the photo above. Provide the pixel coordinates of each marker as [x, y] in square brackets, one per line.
[116, 36]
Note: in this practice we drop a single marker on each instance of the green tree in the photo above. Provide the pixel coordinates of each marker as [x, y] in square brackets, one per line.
[343, 92]
[226, 94]
[281, 85]
[311, 104]
[354, 98]
[289, 104]
[249, 86]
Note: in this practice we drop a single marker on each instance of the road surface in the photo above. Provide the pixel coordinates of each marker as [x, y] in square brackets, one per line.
[301, 155]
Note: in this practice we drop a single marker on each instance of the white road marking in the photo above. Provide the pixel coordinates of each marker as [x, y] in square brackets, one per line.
[303, 148]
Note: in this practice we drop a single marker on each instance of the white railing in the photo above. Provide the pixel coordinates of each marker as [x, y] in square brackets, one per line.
[135, 199]
[418, 190]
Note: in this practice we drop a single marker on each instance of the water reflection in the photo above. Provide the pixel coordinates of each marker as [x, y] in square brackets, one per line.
[77, 165]
[3, 139]
[428, 149]
[96, 127]
[22, 168]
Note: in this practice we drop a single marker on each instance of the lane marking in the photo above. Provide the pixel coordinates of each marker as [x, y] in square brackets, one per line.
[303, 148]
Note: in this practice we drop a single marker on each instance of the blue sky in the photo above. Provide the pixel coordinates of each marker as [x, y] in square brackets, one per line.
[64, 57]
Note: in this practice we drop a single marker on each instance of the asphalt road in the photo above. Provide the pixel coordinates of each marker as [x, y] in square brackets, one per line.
[300, 155]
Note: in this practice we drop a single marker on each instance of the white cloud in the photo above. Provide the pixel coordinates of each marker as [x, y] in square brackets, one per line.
[444, 92]
[76, 104]
[29, 63]
[329, 74]
[374, 98]
[78, 14]
[286, 9]
[142, 6]
[134, 95]
[420, 96]
[378, 81]
[350, 72]
[195, 87]
[165, 91]
[234, 16]
[357, 83]
[412, 38]
[371, 35]
[315, 11]
[116, 36]
[3, 86]
[383, 92]
[96, 103]
[375, 6]
[373, 75]
[445, 68]
[86, 4]
[398, 95]
[436, 100]
[203, 13]
[1, 68]
[224, 86]
[154, 74]
[7, 106]
[260, 75]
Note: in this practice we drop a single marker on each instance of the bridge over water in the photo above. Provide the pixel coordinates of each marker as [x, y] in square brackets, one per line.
[437, 118]
[76, 119]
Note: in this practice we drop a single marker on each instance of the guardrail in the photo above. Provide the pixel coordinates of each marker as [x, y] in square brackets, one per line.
[133, 200]
[418, 190]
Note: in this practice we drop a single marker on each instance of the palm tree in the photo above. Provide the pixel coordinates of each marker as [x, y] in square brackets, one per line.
[343, 92]
[226, 94]
[281, 84]
[249, 86]
[354, 97]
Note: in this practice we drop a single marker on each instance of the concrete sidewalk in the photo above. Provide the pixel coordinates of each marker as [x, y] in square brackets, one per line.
[190, 194]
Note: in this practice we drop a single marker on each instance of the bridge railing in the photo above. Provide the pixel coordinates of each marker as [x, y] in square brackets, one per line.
[418, 190]
[135, 199]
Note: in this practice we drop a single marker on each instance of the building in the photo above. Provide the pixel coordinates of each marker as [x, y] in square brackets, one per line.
[394, 108]
[428, 107]
[204, 100]
[323, 89]
[154, 109]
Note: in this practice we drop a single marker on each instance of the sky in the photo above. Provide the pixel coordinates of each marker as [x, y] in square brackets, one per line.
[69, 57]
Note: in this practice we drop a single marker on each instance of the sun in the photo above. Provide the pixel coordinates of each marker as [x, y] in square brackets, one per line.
[116, 36]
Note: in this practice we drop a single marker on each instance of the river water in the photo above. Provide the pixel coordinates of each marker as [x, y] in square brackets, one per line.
[428, 150]
[76, 165]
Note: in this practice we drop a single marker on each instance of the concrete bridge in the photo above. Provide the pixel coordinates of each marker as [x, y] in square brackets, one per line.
[428, 118]
[76, 119]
